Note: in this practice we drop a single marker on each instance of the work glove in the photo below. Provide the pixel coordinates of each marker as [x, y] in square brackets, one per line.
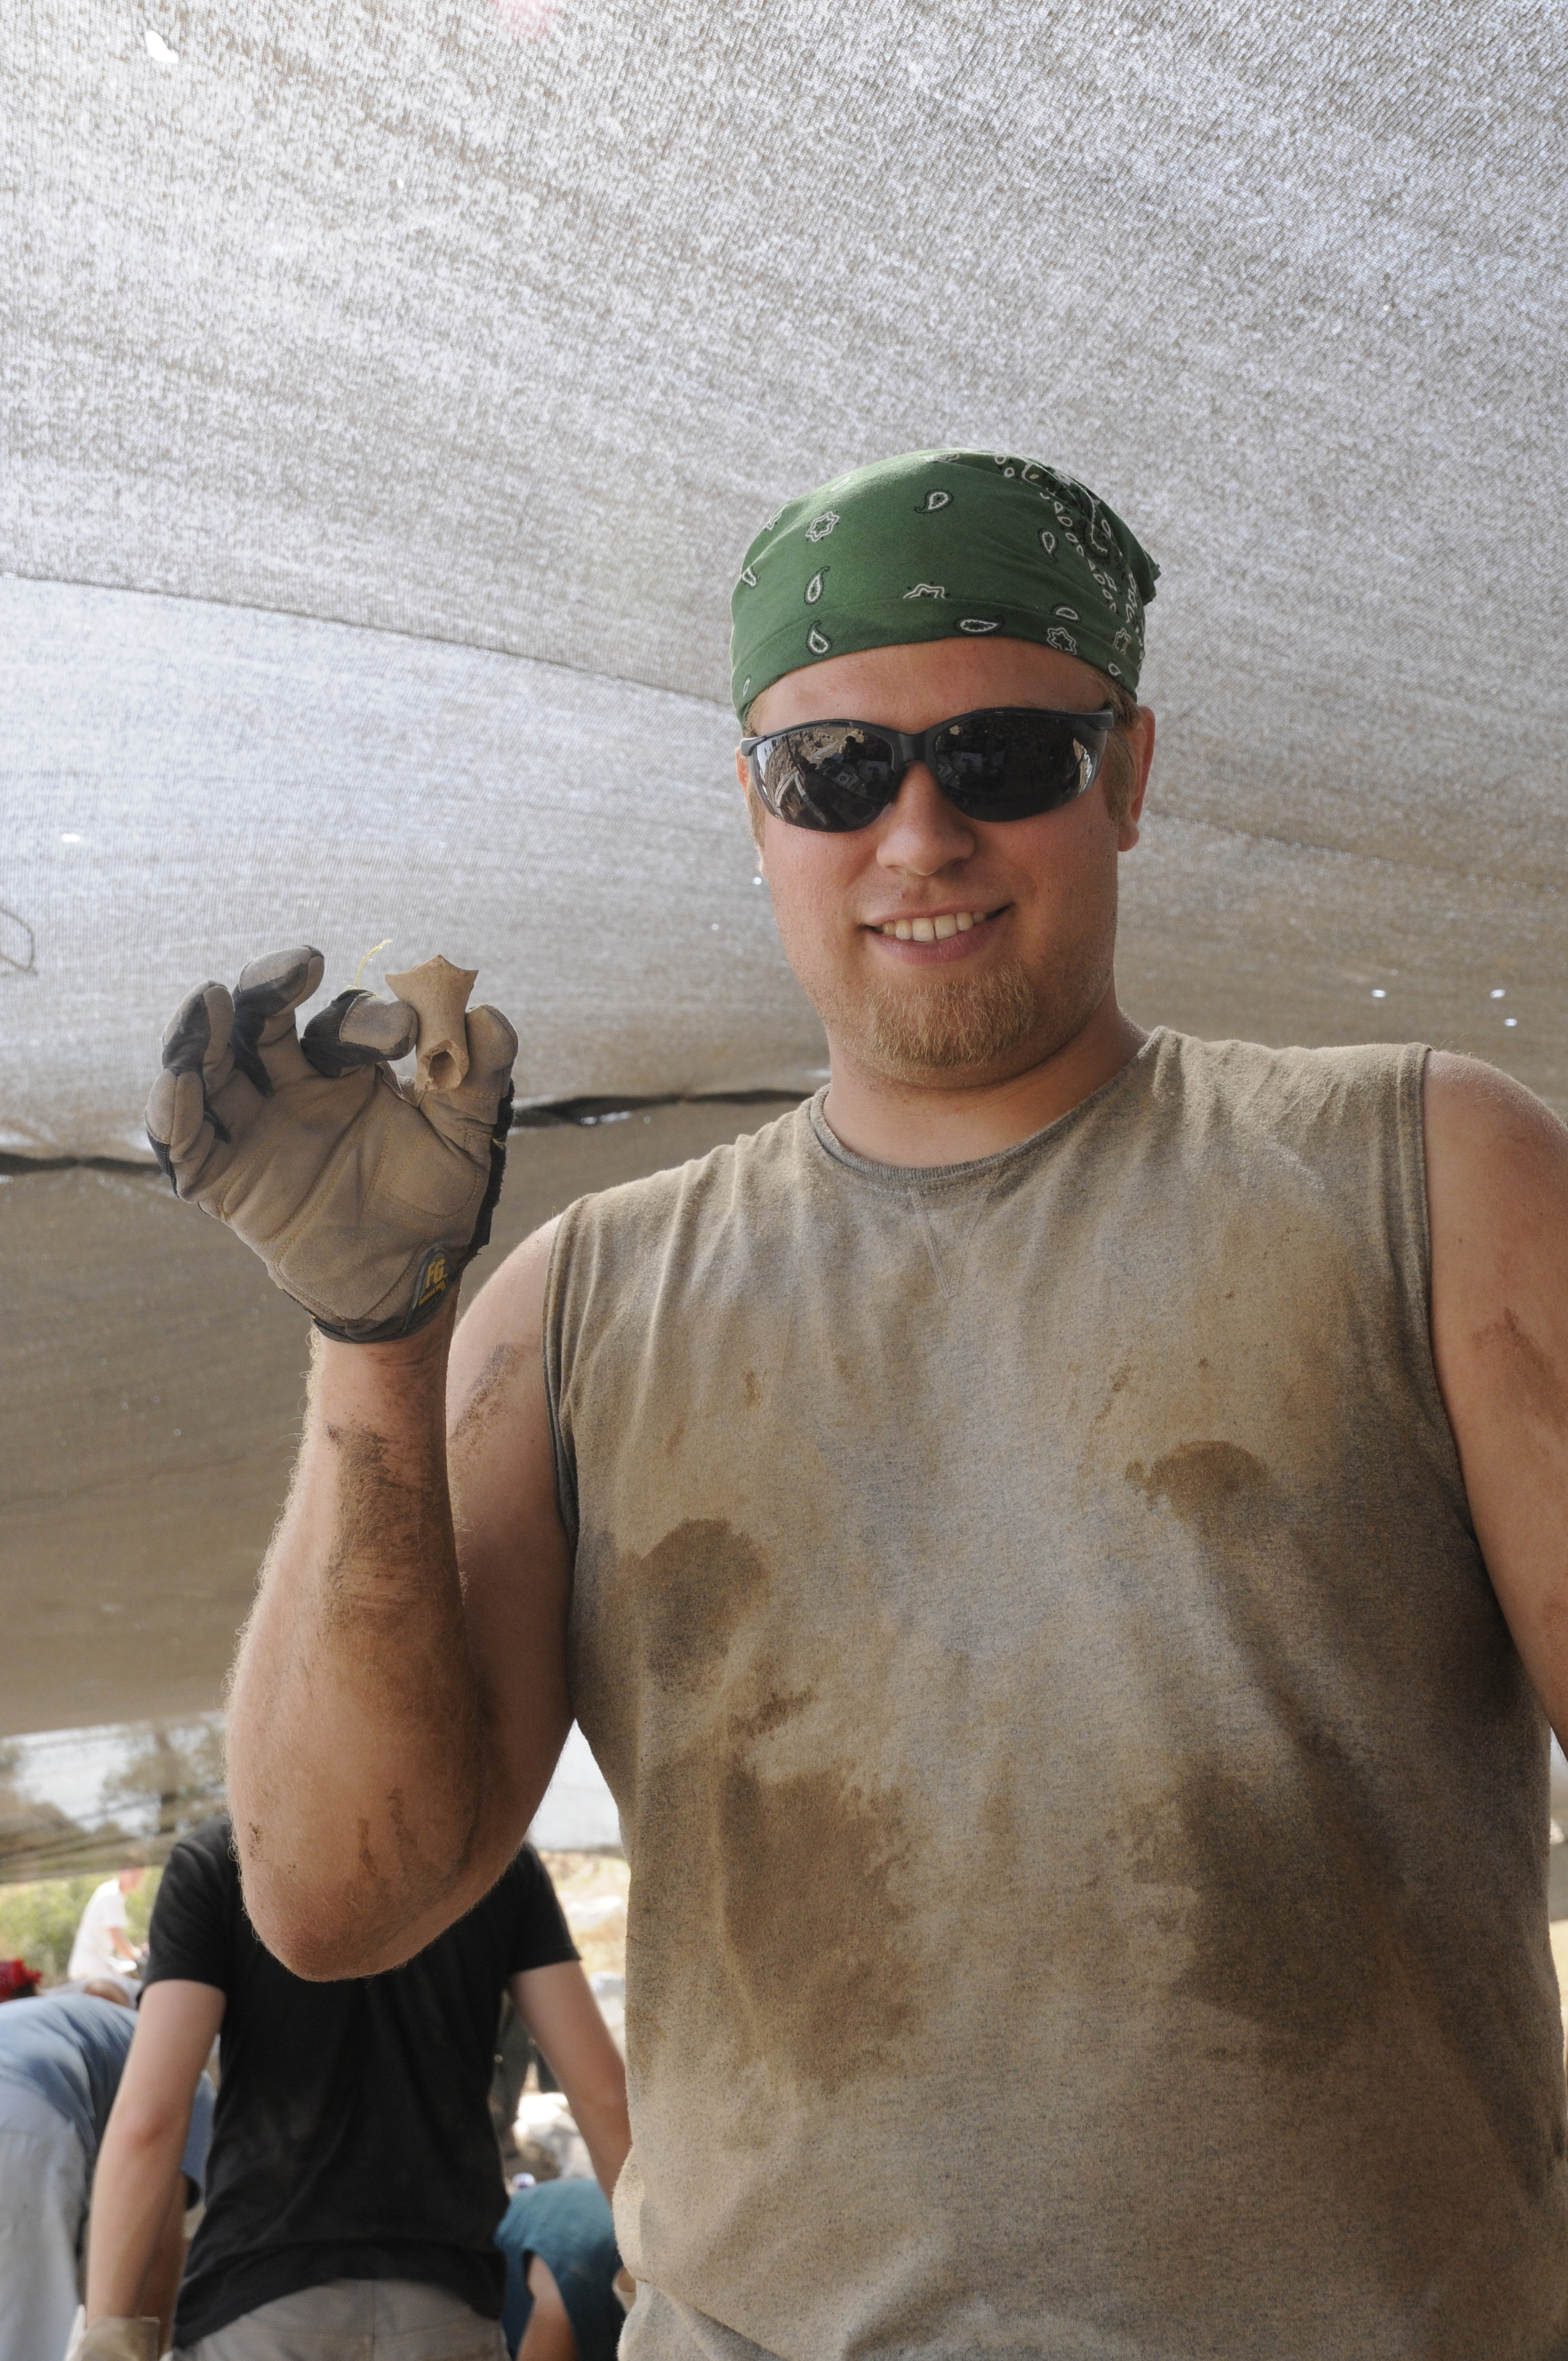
[363, 1196]
[112, 2340]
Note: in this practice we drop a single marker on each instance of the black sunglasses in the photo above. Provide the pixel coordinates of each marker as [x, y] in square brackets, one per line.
[1009, 761]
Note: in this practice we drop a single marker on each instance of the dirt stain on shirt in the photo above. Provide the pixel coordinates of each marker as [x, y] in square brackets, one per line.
[770, 1907]
[1306, 1842]
[812, 1913]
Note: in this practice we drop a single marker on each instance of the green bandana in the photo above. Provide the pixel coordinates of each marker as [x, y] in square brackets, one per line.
[935, 544]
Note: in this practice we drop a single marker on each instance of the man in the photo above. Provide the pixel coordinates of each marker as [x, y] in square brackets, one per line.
[355, 2188]
[1057, 1545]
[60, 2061]
[101, 1948]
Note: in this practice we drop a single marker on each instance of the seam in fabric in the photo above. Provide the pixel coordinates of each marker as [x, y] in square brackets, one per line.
[915, 1198]
[1414, 1261]
[951, 1283]
[382, 631]
[550, 1355]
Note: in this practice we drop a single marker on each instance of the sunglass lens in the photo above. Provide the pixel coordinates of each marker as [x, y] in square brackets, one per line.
[828, 776]
[1011, 765]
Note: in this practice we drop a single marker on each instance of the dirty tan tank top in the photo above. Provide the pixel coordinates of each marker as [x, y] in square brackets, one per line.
[1087, 1816]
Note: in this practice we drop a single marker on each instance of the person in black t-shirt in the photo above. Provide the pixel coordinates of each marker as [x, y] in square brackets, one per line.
[353, 2186]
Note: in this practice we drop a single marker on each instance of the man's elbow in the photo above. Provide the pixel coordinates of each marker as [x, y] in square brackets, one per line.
[152, 2126]
[321, 1946]
[327, 1938]
[601, 2105]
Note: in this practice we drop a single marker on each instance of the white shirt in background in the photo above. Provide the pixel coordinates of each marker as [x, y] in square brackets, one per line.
[93, 1953]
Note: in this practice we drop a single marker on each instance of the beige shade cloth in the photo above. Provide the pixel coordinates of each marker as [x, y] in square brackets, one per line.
[195, 783]
[150, 1394]
[490, 332]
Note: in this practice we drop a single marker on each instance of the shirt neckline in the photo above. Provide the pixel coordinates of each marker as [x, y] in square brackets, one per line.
[906, 1178]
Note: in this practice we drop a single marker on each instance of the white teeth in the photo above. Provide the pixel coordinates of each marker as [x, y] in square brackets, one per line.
[933, 930]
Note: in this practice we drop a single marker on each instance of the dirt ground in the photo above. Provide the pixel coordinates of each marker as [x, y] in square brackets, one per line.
[150, 1394]
[592, 1889]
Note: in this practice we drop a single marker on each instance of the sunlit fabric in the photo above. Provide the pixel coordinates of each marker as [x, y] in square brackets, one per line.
[391, 395]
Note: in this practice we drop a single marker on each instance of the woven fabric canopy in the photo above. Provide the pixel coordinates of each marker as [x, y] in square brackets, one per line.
[389, 392]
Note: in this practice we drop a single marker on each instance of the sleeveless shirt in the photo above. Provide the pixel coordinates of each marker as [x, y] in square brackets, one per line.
[1086, 1816]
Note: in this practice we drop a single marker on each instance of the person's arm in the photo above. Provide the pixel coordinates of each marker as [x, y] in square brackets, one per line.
[136, 2188]
[160, 2288]
[558, 2007]
[1497, 1197]
[400, 1696]
[120, 1948]
[549, 2334]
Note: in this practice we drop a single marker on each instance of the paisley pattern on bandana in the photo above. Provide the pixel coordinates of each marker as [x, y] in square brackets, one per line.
[1001, 544]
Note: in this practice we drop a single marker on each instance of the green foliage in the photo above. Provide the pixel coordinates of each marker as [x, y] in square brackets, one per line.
[37, 1922]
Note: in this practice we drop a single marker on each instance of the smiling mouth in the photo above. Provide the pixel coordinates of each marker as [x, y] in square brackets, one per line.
[938, 930]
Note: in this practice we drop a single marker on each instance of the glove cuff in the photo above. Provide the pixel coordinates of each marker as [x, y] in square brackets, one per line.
[433, 1282]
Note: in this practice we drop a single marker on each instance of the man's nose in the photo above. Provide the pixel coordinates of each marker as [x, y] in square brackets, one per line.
[920, 831]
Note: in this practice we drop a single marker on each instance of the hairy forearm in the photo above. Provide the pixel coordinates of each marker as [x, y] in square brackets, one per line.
[356, 1729]
[133, 2194]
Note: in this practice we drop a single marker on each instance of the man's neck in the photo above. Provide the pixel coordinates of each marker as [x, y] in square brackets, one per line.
[951, 1121]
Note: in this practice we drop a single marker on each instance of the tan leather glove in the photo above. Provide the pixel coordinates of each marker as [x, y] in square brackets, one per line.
[363, 1196]
[112, 2340]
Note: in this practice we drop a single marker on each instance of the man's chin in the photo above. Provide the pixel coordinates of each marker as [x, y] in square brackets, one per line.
[945, 1028]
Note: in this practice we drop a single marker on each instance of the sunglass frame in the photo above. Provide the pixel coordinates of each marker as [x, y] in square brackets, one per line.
[917, 746]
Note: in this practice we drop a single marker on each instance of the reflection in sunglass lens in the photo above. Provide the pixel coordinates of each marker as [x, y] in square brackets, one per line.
[996, 765]
[827, 776]
[1011, 765]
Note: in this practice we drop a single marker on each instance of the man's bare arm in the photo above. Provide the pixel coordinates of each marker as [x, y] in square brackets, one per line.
[1497, 1192]
[558, 2007]
[135, 2194]
[400, 1696]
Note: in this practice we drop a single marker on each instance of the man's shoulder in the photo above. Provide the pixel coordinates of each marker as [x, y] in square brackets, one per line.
[521, 1900]
[1201, 1054]
[1279, 1084]
[514, 1889]
[209, 1850]
[200, 1880]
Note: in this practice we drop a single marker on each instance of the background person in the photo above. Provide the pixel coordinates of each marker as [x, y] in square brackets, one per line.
[562, 2264]
[101, 1947]
[353, 2187]
[61, 2057]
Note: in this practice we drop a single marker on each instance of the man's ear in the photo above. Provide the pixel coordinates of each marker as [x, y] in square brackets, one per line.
[1140, 740]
